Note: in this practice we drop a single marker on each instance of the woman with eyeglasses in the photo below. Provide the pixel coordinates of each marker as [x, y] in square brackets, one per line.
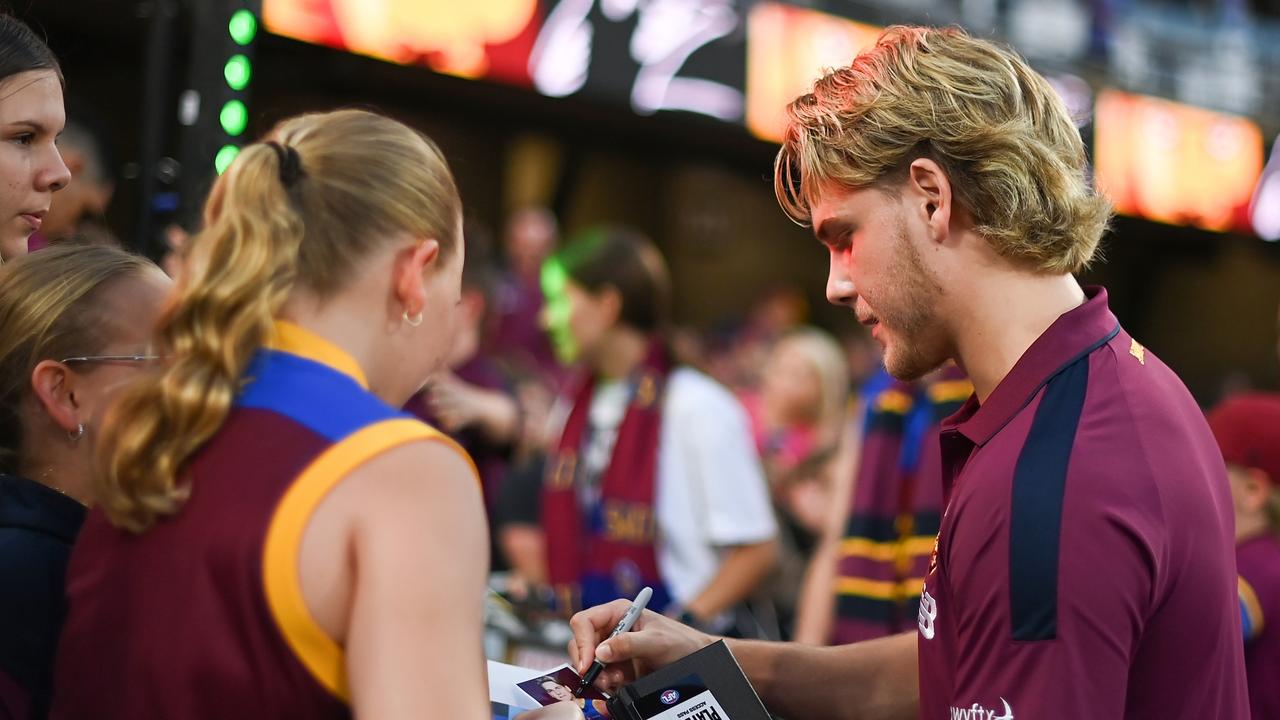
[75, 325]
[31, 116]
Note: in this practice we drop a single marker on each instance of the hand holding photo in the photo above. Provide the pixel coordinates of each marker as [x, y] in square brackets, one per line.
[557, 685]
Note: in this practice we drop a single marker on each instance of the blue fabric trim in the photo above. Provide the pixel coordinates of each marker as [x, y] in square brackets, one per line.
[1246, 621]
[1035, 524]
[329, 403]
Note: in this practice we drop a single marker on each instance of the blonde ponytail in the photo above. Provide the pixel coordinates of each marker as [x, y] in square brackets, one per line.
[268, 228]
[236, 277]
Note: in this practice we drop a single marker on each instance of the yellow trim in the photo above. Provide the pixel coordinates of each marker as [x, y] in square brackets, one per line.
[894, 401]
[1251, 604]
[879, 589]
[886, 551]
[318, 652]
[297, 340]
[950, 391]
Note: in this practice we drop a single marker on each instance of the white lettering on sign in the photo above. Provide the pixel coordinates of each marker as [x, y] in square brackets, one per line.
[666, 34]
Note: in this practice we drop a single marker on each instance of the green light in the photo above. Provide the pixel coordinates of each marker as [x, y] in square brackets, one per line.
[237, 72]
[243, 27]
[557, 310]
[223, 159]
[234, 118]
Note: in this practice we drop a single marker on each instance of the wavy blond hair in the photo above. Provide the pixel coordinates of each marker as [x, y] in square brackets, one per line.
[999, 131]
[365, 179]
[50, 309]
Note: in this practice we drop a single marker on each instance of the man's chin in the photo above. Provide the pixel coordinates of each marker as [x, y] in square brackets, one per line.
[908, 368]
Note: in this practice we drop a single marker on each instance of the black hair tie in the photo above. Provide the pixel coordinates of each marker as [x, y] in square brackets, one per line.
[290, 163]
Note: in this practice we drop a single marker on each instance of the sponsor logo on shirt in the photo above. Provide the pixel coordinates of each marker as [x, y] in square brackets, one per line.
[978, 712]
[928, 613]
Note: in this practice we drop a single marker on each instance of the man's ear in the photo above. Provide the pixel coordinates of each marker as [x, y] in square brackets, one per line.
[928, 189]
[53, 386]
[410, 274]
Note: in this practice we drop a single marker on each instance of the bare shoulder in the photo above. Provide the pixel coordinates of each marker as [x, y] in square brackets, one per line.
[422, 479]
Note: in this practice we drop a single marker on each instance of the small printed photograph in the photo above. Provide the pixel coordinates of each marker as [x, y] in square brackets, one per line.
[557, 685]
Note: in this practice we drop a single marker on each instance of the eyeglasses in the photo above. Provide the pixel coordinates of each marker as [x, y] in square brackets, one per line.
[113, 359]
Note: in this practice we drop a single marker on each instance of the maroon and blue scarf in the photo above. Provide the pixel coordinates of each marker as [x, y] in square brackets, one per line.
[896, 507]
[599, 553]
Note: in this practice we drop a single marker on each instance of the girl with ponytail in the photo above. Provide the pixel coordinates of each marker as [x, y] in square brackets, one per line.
[270, 540]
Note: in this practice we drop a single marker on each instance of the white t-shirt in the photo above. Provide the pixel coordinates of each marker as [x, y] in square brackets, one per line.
[710, 492]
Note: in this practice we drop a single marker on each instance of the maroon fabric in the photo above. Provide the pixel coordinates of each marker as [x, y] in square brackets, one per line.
[517, 337]
[577, 549]
[202, 643]
[1147, 616]
[1259, 564]
[897, 496]
[14, 703]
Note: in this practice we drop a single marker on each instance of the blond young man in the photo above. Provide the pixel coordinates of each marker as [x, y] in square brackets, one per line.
[1084, 567]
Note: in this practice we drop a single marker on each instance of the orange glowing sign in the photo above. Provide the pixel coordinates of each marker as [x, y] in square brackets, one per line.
[466, 39]
[1174, 163]
[787, 49]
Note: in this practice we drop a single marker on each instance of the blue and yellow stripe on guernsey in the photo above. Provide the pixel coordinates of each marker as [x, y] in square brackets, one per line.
[316, 384]
[1251, 620]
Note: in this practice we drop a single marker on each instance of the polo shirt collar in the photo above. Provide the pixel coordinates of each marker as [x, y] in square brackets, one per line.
[1073, 335]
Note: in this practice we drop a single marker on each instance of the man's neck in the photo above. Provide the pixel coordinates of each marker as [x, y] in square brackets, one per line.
[1000, 319]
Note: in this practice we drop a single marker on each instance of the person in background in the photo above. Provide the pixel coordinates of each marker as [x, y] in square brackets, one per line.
[80, 209]
[1247, 427]
[75, 327]
[270, 442]
[471, 398]
[798, 417]
[654, 479]
[31, 116]
[865, 579]
[739, 358]
[530, 237]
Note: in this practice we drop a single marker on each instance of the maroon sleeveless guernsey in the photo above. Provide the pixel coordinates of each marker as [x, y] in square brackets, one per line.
[202, 616]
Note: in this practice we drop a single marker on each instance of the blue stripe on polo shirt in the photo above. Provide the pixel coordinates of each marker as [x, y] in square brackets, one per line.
[1039, 482]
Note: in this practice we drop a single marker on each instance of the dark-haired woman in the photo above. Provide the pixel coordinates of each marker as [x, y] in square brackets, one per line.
[655, 479]
[31, 116]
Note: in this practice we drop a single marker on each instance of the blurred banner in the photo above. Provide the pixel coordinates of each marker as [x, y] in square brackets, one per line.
[653, 55]
[787, 49]
[1174, 163]
[488, 39]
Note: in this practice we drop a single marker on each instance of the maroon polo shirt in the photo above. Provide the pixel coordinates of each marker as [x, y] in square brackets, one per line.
[1258, 559]
[1085, 566]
